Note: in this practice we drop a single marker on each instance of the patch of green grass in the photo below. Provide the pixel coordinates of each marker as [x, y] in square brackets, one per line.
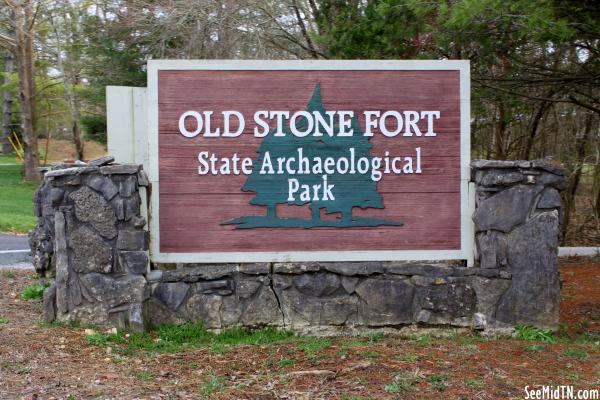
[535, 347]
[16, 198]
[15, 367]
[286, 362]
[526, 332]
[439, 382]
[345, 396]
[171, 338]
[471, 348]
[212, 384]
[374, 337]
[312, 346]
[578, 354]
[3, 321]
[403, 382]
[8, 274]
[34, 291]
[395, 387]
[409, 357]
[423, 340]
[144, 376]
[475, 383]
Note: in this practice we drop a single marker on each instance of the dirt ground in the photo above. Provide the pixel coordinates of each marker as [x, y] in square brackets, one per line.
[43, 362]
[60, 150]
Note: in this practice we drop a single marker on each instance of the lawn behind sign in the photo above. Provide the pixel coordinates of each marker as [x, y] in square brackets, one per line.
[16, 198]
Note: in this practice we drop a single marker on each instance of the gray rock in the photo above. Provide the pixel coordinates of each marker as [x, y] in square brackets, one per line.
[550, 199]
[385, 302]
[136, 262]
[205, 308]
[156, 313]
[556, 181]
[550, 165]
[416, 268]
[103, 185]
[193, 273]
[534, 295]
[120, 169]
[62, 264]
[132, 240]
[498, 177]
[487, 164]
[349, 283]
[143, 178]
[254, 268]
[67, 180]
[479, 321]
[303, 310]
[422, 281]
[261, 310]
[132, 207]
[50, 304]
[127, 186]
[136, 318]
[221, 287]
[154, 276]
[119, 207]
[62, 172]
[354, 268]
[492, 247]
[90, 252]
[295, 268]
[246, 288]
[114, 291]
[505, 210]
[98, 162]
[488, 272]
[56, 196]
[92, 208]
[318, 284]
[171, 294]
[451, 303]
[488, 293]
[138, 222]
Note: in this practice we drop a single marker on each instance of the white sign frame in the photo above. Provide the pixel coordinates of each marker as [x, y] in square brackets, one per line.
[466, 251]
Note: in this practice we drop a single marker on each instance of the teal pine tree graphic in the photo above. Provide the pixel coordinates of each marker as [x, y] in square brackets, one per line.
[351, 189]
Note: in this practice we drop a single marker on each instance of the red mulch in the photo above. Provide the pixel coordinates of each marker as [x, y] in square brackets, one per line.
[38, 361]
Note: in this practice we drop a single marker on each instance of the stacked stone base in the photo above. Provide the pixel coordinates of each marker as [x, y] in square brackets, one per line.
[91, 240]
[328, 298]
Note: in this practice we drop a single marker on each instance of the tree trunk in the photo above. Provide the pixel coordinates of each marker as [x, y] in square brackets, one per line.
[7, 104]
[499, 133]
[533, 129]
[571, 191]
[24, 31]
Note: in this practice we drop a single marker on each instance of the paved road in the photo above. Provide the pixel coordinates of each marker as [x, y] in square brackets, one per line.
[14, 249]
[13, 242]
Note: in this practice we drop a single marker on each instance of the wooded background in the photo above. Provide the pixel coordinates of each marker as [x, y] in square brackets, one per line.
[535, 66]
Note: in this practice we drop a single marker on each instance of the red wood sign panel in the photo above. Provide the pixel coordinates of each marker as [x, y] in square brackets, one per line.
[270, 162]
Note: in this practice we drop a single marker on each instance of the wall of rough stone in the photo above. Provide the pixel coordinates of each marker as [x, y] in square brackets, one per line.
[91, 238]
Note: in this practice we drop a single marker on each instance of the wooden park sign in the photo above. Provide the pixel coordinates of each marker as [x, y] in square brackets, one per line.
[309, 160]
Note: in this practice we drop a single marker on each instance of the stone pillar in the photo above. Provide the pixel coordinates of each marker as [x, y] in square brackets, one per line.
[91, 238]
[517, 218]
